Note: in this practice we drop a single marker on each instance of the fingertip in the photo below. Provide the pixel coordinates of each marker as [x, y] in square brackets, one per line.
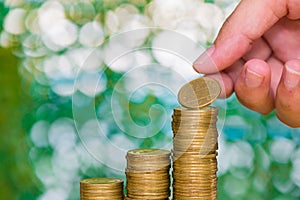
[291, 74]
[293, 123]
[288, 95]
[255, 73]
[258, 66]
[204, 63]
[253, 87]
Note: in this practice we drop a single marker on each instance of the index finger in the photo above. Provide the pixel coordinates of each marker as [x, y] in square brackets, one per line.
[249, 21]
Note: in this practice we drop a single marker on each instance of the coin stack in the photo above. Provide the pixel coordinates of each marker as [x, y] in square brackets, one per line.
[194, 153]
[101, 188]
[147, 174]
[195, 141]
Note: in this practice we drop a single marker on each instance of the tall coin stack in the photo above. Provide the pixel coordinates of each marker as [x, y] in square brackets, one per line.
[101, 189]
[147, 174]
[195, 141]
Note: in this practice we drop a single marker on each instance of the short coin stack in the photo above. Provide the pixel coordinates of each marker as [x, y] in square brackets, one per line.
[195, 142]
[101, 189]
[147, 174]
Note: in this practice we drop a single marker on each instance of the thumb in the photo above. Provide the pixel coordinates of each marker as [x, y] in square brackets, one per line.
[249, 21]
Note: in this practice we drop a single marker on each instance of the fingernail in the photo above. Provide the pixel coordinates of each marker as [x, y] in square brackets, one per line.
[204, 62]
[253, 79]
[292, 78]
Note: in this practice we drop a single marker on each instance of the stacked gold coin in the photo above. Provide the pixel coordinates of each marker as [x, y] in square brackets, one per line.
[101, 188]
[194, 153]
[195, 141]
[147, 174]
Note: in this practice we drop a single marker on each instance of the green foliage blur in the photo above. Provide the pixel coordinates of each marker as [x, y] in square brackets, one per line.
[17, 179]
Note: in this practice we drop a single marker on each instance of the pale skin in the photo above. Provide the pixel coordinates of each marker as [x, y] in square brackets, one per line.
[257, 56]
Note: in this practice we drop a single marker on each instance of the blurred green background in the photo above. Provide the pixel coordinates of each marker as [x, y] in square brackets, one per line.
[76, 95]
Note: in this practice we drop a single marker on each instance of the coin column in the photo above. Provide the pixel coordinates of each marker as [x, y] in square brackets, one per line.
[194, 153]
[101, 188]
[147, 174]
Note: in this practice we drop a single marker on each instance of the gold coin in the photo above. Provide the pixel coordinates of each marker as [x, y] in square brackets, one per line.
[156, 184]
[193, 115]
[144, 172]
[148, 182]
[204, 174]
[199, 144]
[190, 121]
[133, 170]
[187, 148]
[195, 136]
[199, 93]
[188, 188]
[194, 139]
[205, 110]
[185, 132]
[102, 181]
[194, 192]
[188, 185]
[194, 166]
[185, 174]
[184, 149]
[148, 152]
[195, 195]
[195, 159]
[188, 162]
[196, 155]
[204, 188]
[197, 139]
[211, 132]
[150, 185]
[142, 198]
[150, 188]
[119, 194]
[146, 193]
[190, 126]
[180, 170]
[203, 127]
[145, 158]
[145, 169]
[202, 144]
[101, 198]
[206, 147]
[146, 177]
[158, 165]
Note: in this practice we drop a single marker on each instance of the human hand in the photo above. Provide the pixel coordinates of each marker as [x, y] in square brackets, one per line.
[257, 56]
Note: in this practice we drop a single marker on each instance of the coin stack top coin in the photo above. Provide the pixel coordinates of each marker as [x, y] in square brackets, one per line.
[199, 93]
[101, 188]
[147, 174]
